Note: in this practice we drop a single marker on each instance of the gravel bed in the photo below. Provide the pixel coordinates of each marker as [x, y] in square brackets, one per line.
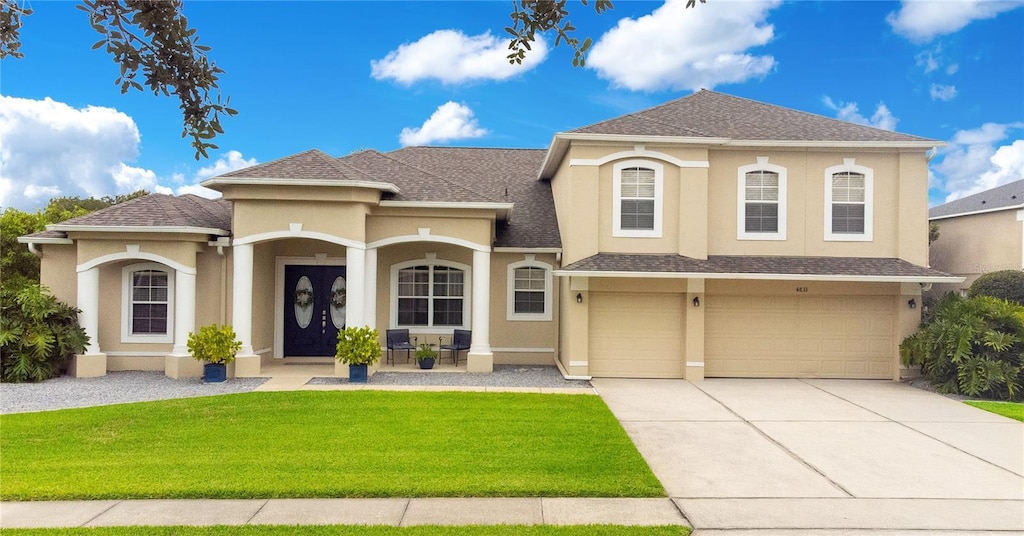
[503, 376]
[114, 388]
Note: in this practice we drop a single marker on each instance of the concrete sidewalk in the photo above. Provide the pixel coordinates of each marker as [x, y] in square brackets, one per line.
[394, 512]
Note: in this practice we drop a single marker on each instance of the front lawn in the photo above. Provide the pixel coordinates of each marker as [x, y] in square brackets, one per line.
[325, 444]
[1013, 410]
[348, 530]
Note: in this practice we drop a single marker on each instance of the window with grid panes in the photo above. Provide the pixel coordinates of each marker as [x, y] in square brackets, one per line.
[637, 198]
[149, 302]
[431, 295]
[761, 207]
[848, 203]
[529, 288]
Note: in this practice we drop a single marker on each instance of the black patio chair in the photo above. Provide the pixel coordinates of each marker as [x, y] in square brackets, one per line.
[398, 339]
[460, 341]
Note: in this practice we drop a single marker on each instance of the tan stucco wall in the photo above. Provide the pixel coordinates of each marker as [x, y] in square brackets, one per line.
[182, 252]
[57, 271]
[476, 227]
[257, 216]
[520, 334]
[970, 246]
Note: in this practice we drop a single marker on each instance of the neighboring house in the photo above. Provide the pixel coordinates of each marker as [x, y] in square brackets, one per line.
[709, 236]
[978, 234]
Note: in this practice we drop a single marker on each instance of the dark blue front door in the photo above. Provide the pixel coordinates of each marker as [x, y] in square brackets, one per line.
[314, 309]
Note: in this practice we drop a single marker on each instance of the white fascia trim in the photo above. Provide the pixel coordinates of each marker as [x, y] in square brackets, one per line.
[777, 277]
[837, 144]
[503, 209]
[526, 250]
[688, 140]
[336, 183]
[137, 229]
[972, 213]
[27, 240]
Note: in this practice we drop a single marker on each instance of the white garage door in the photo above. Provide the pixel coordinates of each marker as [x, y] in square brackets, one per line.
[807, 336]
[636, 335]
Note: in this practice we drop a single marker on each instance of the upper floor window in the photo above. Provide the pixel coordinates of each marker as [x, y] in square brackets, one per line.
[761, 195]
[638, 199]
[429, 294]
[848, 202]
[147, 300]
[529, 290]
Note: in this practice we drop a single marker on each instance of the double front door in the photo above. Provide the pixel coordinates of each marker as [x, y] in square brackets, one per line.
[314, 309]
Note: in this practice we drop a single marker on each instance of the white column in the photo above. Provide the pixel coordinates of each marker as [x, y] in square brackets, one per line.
[355, 272]
[370, 289]
[184, 311]
[241, 296]
[480, 358]
[89, 303]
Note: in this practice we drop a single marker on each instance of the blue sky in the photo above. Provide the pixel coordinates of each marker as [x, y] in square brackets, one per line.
[345, 76]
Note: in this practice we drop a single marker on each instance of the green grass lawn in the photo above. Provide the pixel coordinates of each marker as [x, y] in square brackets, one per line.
[348, 530]
[325, 444]
[1013, 410]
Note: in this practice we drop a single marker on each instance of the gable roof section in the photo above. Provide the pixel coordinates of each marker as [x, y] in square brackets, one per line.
[757, 267]
[709, 114]
[1006, 197]
[414, 183]
[154, 213]
[312, 167]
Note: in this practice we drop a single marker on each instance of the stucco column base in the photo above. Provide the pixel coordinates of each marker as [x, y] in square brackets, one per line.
[694, 373]
[88, 366]
[247, 366]
[480, 362]
[182, 366]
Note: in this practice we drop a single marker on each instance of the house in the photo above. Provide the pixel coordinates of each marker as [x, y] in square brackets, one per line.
[709, 236]
[978, 234]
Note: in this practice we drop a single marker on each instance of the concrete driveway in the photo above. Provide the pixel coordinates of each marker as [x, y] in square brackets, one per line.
[824, 454]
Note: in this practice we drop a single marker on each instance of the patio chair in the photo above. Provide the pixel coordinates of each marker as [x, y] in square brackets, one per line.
[398, 339]
[461, 340]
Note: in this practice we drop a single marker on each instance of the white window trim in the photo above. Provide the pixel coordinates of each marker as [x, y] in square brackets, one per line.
[126, 304]
[741, 200]
[659, 199]
[869, 202]
[510, 313]
[466, 297]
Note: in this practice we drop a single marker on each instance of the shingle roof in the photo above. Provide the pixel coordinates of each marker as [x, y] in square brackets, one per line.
[754, 264]
[709, 114]
[159, 210]
[414, 183]
[1005, 196]
[503, 175]
[311, 164]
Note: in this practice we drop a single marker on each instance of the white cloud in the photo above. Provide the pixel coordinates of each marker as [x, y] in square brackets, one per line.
[848, 111]
[942, 92]
[976, 160]
[923, 20]
[35, 192]
[451, 121]
[453, 58]
[227, 163]
[678, 48]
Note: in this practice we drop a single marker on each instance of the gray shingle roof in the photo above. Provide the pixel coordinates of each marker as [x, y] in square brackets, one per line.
[1005, 196]
[414, 183]
[311, 164]
[709, 114]
[159, 210]
[753, 264]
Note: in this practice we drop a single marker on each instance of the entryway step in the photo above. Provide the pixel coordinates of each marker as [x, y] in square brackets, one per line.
[284, 383]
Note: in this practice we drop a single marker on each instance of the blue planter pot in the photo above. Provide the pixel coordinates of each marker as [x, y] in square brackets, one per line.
[427, 363]
[215, 373]
[357, 373]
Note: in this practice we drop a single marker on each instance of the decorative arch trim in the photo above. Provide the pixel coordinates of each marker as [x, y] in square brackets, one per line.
[428, 238]
[641, 153]
[313, 235]
[135, 255]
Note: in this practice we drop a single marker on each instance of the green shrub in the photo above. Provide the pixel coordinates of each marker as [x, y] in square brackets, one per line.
[38, 335]
[972, 346]
[425, 351]
[358, 346]
[214, 344]
[1004, 284]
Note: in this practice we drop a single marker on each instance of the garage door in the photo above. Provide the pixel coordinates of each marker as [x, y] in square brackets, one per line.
[807, 336]
[636, 335]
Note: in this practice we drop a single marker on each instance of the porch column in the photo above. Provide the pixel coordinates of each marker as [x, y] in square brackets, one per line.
[247, 363]
[93, 362]
[480, 358]
[693, 329]
[184, 311]
[370, 289]
[355, 271]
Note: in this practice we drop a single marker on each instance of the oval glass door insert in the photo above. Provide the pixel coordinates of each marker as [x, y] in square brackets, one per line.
[339, 297]
[303, 302]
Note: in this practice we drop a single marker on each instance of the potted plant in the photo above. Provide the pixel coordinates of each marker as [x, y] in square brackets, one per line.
[358, 347]
[217, 346]
[425, 356]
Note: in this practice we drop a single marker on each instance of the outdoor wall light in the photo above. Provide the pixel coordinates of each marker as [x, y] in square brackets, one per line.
[579, 297]
[696, 301]
[912, 303]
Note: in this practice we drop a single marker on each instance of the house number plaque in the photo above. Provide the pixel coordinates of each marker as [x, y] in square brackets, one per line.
[801, 289]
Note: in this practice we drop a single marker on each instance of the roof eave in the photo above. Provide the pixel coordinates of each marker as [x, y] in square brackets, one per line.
[974, 212]
[907, 144]
[167, 229]
[218, 183]
[763, 276]
[504, 210]
[46, 240]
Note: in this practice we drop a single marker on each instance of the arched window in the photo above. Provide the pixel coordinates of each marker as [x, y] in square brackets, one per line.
[761, 194]
[529, 290]
[849, 202]
[147, 303]
[637, 192]
[430, 294]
